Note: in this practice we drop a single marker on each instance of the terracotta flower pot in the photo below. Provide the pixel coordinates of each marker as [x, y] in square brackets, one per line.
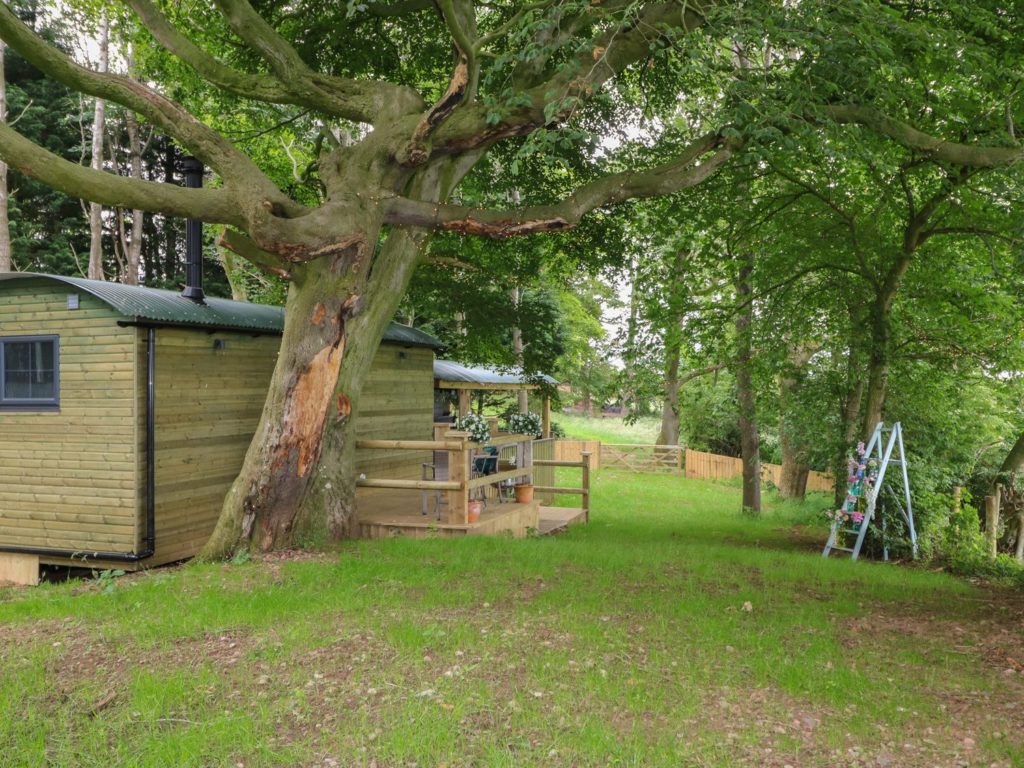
[524, 494]
[475, 508]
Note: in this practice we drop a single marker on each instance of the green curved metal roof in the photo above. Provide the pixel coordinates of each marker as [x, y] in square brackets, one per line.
[152, 305]
[449, 370]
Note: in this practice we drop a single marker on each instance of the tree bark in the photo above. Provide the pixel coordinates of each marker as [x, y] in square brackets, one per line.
[522, 396]
[133, 253]
[750, 441]
[98, 127]
[289, 483]
[6, 257]
[795, 469]
[992, 522]
[1012, 464]
[298, 481]
[669, 434]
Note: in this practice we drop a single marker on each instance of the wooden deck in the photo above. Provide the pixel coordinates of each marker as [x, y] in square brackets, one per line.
[555, 519]
[383, 513]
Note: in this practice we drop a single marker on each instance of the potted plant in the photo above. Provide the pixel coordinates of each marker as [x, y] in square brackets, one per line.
[476, 506]
[525, 424]
[524, 492]
[476, 426]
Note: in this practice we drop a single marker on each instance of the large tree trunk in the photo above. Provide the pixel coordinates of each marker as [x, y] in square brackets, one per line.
[289, 483]
[98, 127]
[6, 258]
[298, 480]
[750, 441]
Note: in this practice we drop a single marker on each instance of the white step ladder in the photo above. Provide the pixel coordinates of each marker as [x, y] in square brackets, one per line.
[861, 486]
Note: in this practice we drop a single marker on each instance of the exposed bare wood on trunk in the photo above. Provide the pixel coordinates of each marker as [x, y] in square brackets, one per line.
[98, 127]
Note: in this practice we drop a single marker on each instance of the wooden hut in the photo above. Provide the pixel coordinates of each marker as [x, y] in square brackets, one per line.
[125, 414]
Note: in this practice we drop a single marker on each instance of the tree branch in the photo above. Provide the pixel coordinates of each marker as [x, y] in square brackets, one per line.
[938, 149]
[217, 206]
[360, 101]
[679, 173]
[254, 86]
[209, 146]
[236, 242]
[461, 23]
[608, 54]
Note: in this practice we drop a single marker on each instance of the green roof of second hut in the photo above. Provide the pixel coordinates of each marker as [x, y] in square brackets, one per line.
[160, 307]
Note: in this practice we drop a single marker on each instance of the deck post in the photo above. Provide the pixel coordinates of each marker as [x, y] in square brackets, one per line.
[585, 462]
[458, 472]
[464, 403]
[546, 417]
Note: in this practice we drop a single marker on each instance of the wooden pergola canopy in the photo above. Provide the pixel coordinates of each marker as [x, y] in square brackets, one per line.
[468, 378]
[451, 375]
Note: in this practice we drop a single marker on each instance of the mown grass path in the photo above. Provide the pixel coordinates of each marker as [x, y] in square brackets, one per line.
[670, 632]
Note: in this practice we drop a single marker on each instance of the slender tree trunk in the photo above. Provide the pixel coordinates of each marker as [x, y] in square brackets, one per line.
[750, 442]
[234, 275]
[6, 257]
[522, 396]
[1012, 464]
[628, 392]
[669, 434]
[795, 469]
[170, 265]
[878, 370]
[881, 335]
[98, 127]
[673, 350]
[1019, 554]
[133, 253]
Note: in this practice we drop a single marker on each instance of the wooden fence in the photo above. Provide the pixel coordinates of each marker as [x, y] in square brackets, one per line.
[642, 458]
[573, 450]
[712, 466]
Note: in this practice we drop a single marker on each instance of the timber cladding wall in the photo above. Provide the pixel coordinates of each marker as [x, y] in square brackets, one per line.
[208, 404]
[68, 479]
[397, 403]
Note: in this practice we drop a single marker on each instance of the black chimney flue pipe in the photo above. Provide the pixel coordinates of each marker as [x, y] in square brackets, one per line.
[193, 238]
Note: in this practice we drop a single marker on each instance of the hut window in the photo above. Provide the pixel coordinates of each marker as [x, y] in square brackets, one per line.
[29, 374]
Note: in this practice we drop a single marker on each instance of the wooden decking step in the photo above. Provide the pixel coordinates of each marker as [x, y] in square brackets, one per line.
[554, 519]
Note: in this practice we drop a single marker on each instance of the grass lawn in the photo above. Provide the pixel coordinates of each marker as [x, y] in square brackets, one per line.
[671, 631]
[612, 430]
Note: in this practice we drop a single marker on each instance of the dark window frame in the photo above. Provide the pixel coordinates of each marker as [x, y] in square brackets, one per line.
[30, 404]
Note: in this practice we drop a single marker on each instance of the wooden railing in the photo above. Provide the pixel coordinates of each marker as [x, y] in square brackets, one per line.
[461, 452]
[583, 490]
